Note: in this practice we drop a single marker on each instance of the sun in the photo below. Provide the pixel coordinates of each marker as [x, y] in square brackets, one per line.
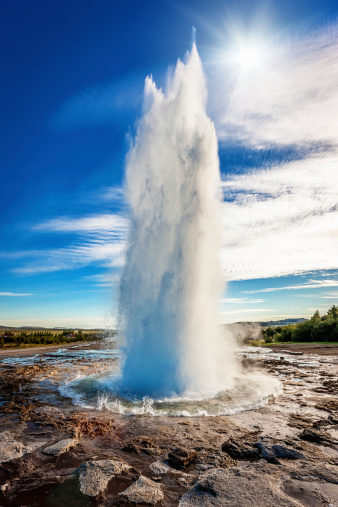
[248, 57]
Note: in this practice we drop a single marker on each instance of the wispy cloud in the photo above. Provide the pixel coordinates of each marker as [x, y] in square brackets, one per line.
[241, 301]
[314, 284]
[11, 294]
[282, 217]
[291, 98]
[73, 257]
[114, 193]
[245, 310]
[281, 221]
[101, 241]
[103, 279]
[115, 224]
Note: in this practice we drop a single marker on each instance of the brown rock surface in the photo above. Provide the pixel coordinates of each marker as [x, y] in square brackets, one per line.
[95, 475]
[143, 491]
[236, 487]
[181, 457]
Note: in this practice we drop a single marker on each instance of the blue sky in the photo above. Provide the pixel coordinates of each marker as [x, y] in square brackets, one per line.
[71, 88]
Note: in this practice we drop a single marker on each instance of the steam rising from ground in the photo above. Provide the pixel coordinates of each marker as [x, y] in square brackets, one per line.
[172, 277]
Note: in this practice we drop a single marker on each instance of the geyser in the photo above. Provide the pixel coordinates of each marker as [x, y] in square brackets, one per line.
[173, 344]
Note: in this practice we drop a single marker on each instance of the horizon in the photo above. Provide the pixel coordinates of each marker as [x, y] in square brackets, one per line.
[73, 82]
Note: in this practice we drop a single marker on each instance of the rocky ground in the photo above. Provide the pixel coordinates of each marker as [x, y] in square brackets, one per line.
[284, 454]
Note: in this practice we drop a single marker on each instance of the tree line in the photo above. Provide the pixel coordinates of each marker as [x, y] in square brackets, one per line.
[318, 329]
[46, 337]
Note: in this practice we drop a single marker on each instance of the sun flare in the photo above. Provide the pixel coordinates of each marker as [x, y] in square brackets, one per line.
[248, 57]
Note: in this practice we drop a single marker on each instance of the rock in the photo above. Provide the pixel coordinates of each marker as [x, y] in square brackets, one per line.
[287, 453]
[207, 459]
[235, 487]
[12, 448]
[264, 448]
[267, 452]
[330, 421]
[240, 449]
[317, 437]
[4, 488]
[329, 406]
[159, 468]
[298, 421]
[95, 475]
[328, 386]
[60, 447]
[315, 472]
[271, 452]
[204, 467]
[292, 352]
[142, 444]
[143, 491]
[181, 457]
[312, 492]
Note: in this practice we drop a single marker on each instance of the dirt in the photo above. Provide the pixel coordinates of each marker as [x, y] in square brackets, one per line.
[307, 406]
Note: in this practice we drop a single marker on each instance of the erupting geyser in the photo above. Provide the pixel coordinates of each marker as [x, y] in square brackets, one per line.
[173, 344]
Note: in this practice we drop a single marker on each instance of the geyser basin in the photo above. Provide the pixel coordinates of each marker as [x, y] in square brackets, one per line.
[250, 391]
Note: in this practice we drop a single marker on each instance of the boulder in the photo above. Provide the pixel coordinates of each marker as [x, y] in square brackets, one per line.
[95, 475]
[236, 487]
[60, 447]
[143, 491]
[181, 457]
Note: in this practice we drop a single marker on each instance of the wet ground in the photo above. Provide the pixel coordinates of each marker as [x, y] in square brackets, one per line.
[290, 444]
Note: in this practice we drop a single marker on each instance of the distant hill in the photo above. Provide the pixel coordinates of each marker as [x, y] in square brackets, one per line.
[34, 328]
[24, 327]
[284, 322]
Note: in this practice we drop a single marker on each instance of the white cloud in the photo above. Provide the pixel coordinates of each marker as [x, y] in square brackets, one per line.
[281, 221]
[5, 294]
